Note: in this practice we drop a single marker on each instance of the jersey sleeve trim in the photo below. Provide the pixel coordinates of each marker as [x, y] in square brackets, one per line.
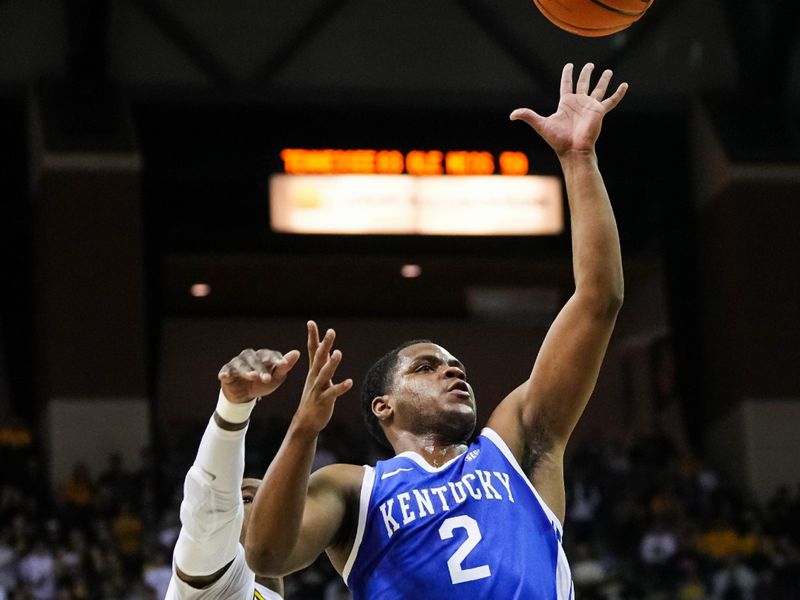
[264, 593]
[495, 438]
[363, 506]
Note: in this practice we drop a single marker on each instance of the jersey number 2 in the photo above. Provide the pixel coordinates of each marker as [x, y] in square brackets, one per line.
[459, 574]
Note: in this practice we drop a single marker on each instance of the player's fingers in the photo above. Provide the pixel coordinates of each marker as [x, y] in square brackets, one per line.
[241, 367]
[599, 91]
[566, 79]
[313, 340]
[529, 116]
[614, 99]
[259, 363]
[283, 366]
[584, 79]
[327, 341]
[340, 388]
[225, 373]
[322, 354]
[327, 371]
[268, 358]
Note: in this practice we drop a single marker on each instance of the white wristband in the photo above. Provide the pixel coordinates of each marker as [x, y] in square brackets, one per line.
[234, 413]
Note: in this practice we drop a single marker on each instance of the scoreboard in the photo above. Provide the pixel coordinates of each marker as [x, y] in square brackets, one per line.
[415, 192]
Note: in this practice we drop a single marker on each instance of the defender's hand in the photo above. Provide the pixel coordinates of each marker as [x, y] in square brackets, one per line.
[575, 126]
[255, 373]
[320, 393]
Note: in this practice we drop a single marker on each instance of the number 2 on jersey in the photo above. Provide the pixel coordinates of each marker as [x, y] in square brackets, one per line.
[459, 574]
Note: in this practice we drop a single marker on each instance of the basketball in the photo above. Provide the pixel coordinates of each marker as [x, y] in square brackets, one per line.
[593, 18]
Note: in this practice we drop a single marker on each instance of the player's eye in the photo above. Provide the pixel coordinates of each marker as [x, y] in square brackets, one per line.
[247, 499]
[423, 367]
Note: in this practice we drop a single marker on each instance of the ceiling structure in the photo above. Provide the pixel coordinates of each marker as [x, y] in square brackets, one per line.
[412, 50]
[211, 84]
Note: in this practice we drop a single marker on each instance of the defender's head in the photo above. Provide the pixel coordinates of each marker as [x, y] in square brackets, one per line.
[250, 486]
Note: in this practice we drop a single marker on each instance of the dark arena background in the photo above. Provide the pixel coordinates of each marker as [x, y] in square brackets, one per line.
[138, 142]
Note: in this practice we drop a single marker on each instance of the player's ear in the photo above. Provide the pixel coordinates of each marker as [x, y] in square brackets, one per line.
[381, 407]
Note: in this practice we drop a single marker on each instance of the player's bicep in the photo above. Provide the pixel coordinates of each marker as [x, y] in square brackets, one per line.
[540, 414]
[325, 513]
[566, 370]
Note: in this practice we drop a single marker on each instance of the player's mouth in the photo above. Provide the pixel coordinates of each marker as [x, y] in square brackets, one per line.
[459, 388]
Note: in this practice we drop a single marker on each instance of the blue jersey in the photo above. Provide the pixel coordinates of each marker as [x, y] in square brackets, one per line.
[473, 528]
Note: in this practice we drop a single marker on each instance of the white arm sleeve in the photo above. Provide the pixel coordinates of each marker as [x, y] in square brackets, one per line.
[212, 510]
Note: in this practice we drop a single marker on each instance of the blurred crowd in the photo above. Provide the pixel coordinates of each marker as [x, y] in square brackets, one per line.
[648, 522]
[644, 522]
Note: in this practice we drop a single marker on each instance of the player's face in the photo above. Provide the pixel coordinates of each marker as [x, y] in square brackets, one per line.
[250, 486]
[431, 394]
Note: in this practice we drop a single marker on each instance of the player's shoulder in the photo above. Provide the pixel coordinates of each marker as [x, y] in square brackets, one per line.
[340, 477]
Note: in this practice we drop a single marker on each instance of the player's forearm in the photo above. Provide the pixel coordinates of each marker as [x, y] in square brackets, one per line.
[211, 510]
[221, 452]
[597, 261]
[277, 516]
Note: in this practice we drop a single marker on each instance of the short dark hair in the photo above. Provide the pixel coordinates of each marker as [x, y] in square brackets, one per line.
[376, 383]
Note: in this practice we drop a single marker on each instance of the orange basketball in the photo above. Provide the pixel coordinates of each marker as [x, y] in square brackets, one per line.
[593, 18]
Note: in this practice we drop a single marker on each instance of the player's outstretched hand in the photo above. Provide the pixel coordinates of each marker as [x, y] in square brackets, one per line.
[575, 126]
[320, 393]
[255, 373]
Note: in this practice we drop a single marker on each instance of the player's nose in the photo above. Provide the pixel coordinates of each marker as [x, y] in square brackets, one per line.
[454, 371]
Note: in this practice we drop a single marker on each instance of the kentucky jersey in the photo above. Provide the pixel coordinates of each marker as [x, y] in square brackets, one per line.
[473, 528]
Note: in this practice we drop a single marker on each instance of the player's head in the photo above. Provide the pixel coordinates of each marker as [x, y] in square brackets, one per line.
[250, 486]
[421, 388]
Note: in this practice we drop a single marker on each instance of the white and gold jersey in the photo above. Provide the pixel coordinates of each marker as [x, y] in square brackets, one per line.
[237, 583]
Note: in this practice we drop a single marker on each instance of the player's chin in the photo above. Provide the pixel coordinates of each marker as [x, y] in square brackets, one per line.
[461, 420]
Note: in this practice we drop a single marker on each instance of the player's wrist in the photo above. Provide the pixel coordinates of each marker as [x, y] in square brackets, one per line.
[572, 157]
[302, 431]
[234, 413]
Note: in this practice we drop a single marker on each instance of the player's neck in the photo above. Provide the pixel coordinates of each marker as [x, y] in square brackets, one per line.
[434, 452]
[273, 583]
[438, 455]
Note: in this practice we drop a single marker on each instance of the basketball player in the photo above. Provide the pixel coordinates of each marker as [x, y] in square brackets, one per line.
[208, 562]
[448, 517]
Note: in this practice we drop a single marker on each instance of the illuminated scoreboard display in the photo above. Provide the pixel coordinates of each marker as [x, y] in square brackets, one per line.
[422, 192]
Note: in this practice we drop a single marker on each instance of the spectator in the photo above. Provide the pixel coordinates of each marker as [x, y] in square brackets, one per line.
[78, 494]
[8, 560]
[691, 586]
[734, 581]
[127, 533]
[584, 502]
[37, 571]
[658, 547]
[720, 541]
[157, 572]
[588, 572]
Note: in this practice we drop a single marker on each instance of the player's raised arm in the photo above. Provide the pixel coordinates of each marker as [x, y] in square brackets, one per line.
[212, 511]
[295, 516]
[537, 418]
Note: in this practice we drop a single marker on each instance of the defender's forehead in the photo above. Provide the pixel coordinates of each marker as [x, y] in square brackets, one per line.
[251, 483]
